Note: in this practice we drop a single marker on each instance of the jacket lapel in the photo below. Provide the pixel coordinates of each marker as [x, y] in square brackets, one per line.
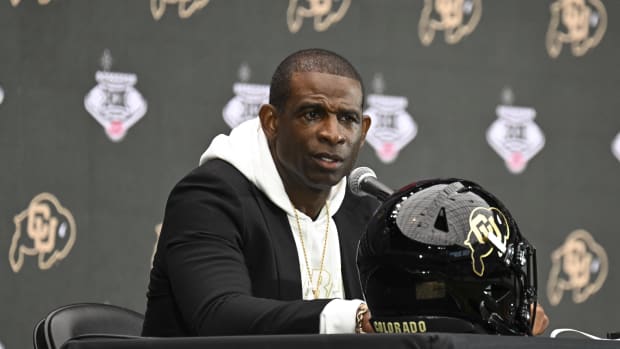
[349, 232]
[284, 249]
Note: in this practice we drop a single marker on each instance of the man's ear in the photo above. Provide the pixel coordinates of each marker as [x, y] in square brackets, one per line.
[268, 115]
[366, 121]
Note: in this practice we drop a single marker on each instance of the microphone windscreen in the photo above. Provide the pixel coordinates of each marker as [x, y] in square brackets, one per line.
[357, 176]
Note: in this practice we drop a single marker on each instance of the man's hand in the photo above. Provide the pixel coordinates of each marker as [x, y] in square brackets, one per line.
[366, 326]
[541, 322]
[362, 320]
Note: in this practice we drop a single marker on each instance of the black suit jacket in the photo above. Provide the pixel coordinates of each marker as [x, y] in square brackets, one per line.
[226, 262]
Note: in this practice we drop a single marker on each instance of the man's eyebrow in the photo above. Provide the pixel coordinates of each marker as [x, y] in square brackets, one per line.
[310, 105]
[305, 106]
[319, 105]
[350, 111]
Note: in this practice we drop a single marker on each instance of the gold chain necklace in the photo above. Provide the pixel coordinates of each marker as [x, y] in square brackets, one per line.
[315, 291]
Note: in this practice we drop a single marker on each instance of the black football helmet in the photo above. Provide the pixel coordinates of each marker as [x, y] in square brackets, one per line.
[445, 255]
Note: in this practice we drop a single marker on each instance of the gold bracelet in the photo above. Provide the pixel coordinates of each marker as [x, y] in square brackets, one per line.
[359, 317]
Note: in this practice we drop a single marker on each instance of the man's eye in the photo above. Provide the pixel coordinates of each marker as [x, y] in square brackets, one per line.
[348, 117]
[312, 115]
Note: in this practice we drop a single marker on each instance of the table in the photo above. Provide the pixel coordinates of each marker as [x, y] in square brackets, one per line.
[339, 341]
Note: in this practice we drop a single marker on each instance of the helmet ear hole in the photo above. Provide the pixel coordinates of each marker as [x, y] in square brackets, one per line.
[441, 223]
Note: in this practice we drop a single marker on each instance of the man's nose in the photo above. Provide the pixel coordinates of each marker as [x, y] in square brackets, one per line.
[331, 131]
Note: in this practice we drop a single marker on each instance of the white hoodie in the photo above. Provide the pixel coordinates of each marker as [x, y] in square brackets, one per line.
[247, 150]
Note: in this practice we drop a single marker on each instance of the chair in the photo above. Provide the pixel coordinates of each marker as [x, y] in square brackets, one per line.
[39, 335]
[88, 319]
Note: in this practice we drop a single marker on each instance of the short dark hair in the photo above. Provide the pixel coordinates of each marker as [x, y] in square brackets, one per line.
[308, 60]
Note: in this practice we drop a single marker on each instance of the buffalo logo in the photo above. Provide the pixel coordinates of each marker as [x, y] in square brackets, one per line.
[615, 146]
[157, 232]
[324, 12]
[247, 100]
[41, 2]
[515, 136]
[456, 18]
[114, 102]
[579, 265]
[186, 7]
[45, 229]
[580, 23]
[488, 231]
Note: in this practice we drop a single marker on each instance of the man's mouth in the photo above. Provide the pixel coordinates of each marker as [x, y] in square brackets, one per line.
[329, 161]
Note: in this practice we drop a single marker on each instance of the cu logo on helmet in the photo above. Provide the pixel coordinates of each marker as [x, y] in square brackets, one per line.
[488, 231]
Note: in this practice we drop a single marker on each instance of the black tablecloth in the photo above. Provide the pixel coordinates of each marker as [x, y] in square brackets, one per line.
[340, 341]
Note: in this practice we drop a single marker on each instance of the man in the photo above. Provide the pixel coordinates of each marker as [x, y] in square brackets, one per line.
[261, 238]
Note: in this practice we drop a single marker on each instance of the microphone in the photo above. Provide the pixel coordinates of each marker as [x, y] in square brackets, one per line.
[363, 181]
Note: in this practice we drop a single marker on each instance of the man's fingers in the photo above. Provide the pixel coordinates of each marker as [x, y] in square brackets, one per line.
[541, 322]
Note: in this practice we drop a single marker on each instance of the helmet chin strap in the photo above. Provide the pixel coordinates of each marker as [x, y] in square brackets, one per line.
[488, 311]
[497, 323]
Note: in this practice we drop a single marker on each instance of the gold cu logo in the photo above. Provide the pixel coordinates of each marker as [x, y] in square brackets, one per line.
[45, 229]
[456, 18]
[579, 265]
[186, 7]
[321, 10]
[580, 23]
[488, 229]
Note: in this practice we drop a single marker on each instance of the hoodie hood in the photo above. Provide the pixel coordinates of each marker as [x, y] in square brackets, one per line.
[246, 149]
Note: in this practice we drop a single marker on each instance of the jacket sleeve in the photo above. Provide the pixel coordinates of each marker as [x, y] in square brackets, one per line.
[203, 241]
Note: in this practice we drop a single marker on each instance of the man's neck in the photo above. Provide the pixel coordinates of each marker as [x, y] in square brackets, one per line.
[304, 198]
[309, 202]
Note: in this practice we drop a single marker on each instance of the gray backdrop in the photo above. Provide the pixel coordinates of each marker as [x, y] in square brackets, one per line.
[79, 210]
